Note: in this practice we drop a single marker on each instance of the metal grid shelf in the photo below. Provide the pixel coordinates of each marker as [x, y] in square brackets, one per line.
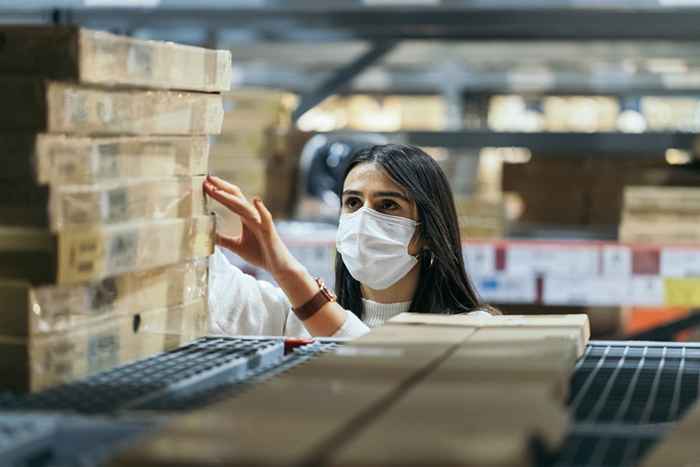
[161, 377]
[625, 396]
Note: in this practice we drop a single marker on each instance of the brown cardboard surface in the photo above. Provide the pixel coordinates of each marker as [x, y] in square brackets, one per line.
[280, 423]
[301, 413]
[662, 200]
[68, 206]
[97, 57]
[29, 311]
[680, 447]
[505, 328]
[257, 109]
[40, 362]
[87, 254]
[680, 231]
[63, 160]
[548, 362]
[405, 334]
[66, 160]
[457, 425]
[56, 107]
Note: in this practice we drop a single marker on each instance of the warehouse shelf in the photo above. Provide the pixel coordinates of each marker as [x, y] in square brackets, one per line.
[381, 20]
[559, 272]
[637, 145]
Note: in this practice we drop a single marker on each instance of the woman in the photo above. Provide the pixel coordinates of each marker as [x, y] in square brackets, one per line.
[398, 247]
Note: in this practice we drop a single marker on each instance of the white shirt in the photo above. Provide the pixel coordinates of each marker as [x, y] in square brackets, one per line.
[242, 305]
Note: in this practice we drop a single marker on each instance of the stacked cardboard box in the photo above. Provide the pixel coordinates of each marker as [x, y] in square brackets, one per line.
[104, 232]
[251, 149]
[480, 217]
[661, 215]
[422, 390]
[585, 192]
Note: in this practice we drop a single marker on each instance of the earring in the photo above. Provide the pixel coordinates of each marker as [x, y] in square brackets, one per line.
[431, 255]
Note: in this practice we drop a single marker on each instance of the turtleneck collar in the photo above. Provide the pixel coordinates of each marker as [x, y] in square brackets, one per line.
[375, 314]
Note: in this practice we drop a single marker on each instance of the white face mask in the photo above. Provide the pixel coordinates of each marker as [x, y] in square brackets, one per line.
[374, 247]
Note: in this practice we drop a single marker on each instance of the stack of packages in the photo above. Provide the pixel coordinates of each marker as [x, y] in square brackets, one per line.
[250, 151]
[422, 390]
[104, 234]
[660, 215]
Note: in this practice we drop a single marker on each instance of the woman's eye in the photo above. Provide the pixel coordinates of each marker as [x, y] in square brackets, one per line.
[388, 205]
[352, 203]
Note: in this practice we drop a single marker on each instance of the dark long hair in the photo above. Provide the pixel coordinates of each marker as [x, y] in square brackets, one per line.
[443, 285]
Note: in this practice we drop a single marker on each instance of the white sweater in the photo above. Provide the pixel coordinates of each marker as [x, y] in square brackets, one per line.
[241, 305]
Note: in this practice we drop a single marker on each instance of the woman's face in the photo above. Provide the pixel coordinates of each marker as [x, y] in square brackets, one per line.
[367, 185]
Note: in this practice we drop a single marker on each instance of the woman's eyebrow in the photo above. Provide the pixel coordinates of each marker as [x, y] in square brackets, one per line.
[389, 194]
[352, 192]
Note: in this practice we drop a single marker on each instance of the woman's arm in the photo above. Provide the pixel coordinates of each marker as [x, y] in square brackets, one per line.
[260, 245]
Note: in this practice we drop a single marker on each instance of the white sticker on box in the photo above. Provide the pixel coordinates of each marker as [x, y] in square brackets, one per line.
[617, 261]
[591, 291]
[646, 291]
[501, 288]
[479, 259]
[552, 260]
[680, 262]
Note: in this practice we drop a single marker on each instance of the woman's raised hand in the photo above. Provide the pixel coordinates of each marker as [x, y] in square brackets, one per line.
[258, 244]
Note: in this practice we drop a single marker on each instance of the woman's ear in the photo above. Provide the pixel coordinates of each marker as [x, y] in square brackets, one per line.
[417, 244]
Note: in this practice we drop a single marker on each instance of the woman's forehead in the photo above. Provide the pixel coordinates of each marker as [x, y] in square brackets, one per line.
[370, 177]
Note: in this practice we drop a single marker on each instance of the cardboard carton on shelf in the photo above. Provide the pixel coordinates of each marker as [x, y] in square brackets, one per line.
[111, 202]
[435, 423]
[40, 362]
[256, 109]
[47, 159]
[96, 57]
[89, 254]
[511, 328]
[58, 107]
[34, 311]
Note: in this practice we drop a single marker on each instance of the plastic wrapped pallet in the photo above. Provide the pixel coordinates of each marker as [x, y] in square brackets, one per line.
[96, 57]
[31, 311]
[65, 160]
[88, 254]
[39, 362]
[57, 107]
[112, 202]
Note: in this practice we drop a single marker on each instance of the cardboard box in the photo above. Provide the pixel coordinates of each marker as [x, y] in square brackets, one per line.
[281, 423]
[40, 362]
[112, 202]
[55, 107]
[64, 160]
[90, 254]
[32, 311]
[257, 109]
[680, 232]
[548, 362]
[512, 328]
[243, 143]
[474, 425]
[661, 200]
[480, 218]
[679, 447]
[96, 57]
